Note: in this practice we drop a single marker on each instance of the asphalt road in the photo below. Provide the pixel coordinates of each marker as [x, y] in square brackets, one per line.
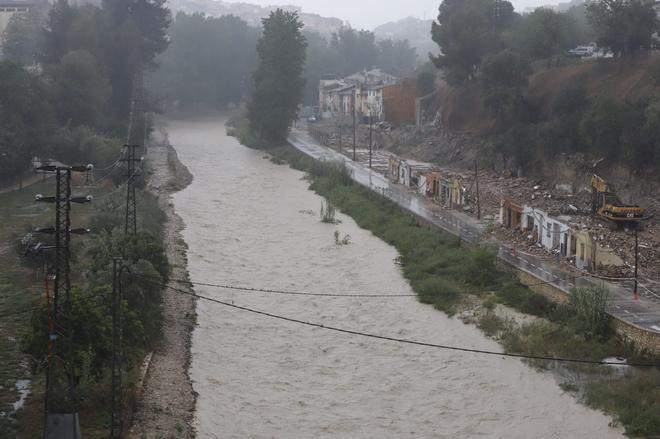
[643, 313]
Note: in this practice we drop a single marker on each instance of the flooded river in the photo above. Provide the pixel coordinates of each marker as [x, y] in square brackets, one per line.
[252, 223]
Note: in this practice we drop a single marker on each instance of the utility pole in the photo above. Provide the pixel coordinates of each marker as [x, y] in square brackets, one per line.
[340, 135]
[130, 226]
[635, 292]
[117, 398]
[61, 417]
[476, 178]
[371, 135]
[354, 127]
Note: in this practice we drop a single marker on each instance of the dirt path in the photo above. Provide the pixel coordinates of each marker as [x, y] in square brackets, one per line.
[167, 400]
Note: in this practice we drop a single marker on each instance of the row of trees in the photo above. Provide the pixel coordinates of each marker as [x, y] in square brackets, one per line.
[210, 60]
[65, 93]
[468, 31]
[88, 59]
[487, 43]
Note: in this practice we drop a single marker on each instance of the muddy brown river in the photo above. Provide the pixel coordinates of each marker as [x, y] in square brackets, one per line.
[252, 223]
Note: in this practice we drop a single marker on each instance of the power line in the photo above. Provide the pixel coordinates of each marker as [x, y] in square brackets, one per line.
[292, 293]
[152, 279]
[353, 295]
[410, 342]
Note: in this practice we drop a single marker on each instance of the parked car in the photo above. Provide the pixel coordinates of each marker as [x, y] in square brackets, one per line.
[581, 51]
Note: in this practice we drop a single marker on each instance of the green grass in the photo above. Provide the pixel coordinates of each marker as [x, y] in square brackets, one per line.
[633, 400]
[21, 288]
[445, 275]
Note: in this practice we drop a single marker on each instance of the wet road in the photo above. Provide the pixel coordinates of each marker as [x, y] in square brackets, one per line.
[643, 313]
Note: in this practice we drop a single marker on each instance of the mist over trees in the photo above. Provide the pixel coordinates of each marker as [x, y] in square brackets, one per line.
[88, 57]
[209, 61]
[350, 51]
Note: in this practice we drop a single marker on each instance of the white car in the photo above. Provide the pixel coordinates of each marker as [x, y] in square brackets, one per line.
[582, 51]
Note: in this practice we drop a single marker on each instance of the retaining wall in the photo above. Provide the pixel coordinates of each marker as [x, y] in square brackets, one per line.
[641, 338]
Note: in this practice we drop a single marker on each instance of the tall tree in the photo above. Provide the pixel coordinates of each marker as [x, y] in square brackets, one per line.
[25, 118]
[504, 78]
[56, 39]
[80, 89]
[278, 80]
[396, 57]
[135, 33]
[22, 37]
[467, 31]
[543, 34]
[624, 26]
[356, 50]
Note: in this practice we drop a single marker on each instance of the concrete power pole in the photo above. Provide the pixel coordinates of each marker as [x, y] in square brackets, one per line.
[354, 127]
[476, 177]
[117, 398]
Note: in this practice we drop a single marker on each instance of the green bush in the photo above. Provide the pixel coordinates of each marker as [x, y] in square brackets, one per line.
[590, 306]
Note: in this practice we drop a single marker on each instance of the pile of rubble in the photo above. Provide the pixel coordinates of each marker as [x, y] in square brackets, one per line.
[569, 200]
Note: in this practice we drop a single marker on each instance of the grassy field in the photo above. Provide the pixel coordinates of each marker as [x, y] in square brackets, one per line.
[453, 279]
[21, 288]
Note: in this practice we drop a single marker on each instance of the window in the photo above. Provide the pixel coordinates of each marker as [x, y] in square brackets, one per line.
[548, 231]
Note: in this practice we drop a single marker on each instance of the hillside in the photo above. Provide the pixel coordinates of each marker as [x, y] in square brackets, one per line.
[622, 80]
[253, 14]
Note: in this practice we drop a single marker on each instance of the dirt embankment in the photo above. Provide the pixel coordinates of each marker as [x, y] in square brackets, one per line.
[457, 131]
[167, 399]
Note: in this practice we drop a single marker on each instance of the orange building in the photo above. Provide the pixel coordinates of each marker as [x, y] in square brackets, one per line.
[399, 103]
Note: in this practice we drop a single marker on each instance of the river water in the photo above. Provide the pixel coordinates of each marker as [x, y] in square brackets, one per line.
[252, 223]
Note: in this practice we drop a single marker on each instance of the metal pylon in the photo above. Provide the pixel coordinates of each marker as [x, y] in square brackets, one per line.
[116, 422]
[61, 418]
[130, 226]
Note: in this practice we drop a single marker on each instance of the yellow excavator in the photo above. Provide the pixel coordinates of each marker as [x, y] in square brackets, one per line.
[607, 205]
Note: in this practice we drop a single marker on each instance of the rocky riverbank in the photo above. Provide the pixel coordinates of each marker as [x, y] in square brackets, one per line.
[166, 400]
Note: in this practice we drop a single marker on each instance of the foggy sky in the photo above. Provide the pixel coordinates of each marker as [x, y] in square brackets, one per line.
[371, 13]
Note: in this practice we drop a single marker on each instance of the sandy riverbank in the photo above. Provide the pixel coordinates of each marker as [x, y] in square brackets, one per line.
[166, 403]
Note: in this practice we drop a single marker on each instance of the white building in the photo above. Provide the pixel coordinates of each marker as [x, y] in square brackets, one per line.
[361, 92]
[9, 8]
[552, 232]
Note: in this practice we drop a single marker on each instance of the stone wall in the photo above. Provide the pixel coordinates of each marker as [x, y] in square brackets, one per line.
[642, 339]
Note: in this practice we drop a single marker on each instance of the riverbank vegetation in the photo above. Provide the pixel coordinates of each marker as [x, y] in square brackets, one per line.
[24, 321]
[67, 90]
[472, 285]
